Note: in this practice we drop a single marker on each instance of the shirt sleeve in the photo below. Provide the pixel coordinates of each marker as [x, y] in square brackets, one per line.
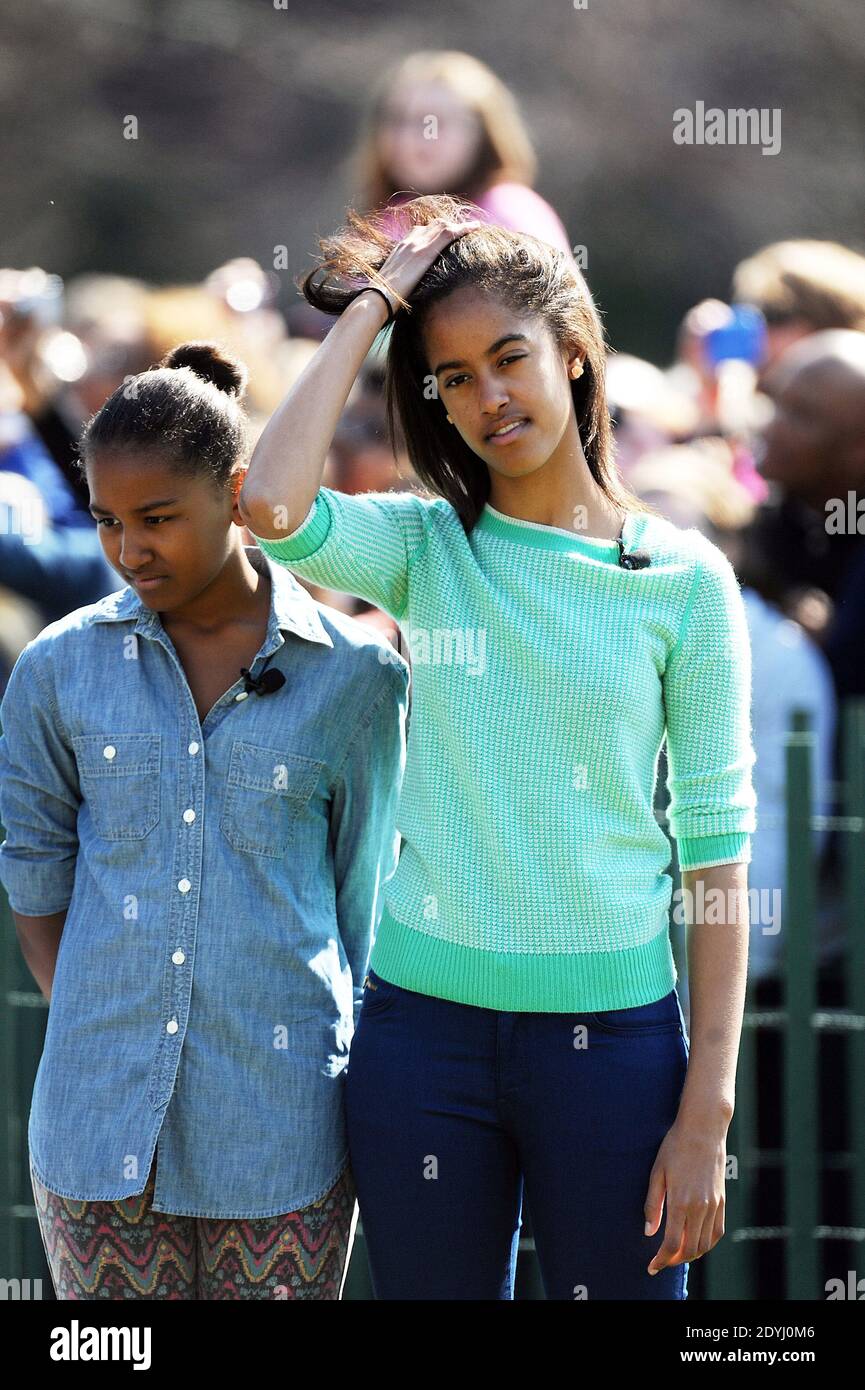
[362, 544]
[522, 209]
[39, 794]
[363, 820]
[707, 696]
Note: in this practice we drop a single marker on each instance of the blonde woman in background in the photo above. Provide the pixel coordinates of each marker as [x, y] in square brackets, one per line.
[443, 122]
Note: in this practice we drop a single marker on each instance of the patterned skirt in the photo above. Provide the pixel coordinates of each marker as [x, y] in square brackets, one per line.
[125, 1249]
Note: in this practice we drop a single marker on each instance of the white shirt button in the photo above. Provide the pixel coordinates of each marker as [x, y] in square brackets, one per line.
[184, 885]
[172, 1025]
[243, 695]
[189, 816]
[109, 751]
[193, 747]
[178, 957]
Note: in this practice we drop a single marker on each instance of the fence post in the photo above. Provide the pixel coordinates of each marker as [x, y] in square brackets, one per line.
[801, 1175]
[738, 1266]
[853, 752]
[25, 1013]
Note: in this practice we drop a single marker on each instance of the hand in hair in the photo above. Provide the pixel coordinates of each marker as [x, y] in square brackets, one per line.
[414, 254]
[288, 461]
[368, 251]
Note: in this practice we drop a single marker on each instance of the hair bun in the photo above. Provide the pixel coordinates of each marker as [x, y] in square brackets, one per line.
[208, 361]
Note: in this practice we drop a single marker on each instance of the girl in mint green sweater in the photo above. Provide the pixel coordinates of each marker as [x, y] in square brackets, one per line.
[521, 1033]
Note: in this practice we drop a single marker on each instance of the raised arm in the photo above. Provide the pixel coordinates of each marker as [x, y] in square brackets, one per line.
[288, 461]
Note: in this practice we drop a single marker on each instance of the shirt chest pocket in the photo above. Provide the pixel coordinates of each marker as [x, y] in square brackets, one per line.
[266, 792]
[119, 779]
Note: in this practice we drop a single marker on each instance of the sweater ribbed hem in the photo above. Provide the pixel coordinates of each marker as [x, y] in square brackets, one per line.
[710, 851]
[579, 982]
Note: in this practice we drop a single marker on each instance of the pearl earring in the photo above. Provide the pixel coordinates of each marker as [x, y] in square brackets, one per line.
[450, 421]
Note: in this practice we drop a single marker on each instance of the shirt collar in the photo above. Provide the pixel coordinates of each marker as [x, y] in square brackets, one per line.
[292, 609]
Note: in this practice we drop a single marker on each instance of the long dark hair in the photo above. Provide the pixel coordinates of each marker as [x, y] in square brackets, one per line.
[519, 270]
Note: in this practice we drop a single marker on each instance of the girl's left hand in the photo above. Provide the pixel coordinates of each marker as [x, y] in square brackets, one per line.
[689, 1172]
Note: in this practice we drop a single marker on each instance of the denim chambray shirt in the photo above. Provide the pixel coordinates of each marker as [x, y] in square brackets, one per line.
[223, 884]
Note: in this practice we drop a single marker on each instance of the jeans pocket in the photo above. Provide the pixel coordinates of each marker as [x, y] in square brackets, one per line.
[377, 993]
[660, 1016]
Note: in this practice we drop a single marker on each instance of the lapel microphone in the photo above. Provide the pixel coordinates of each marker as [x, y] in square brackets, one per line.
[636, 560]
[265, 684]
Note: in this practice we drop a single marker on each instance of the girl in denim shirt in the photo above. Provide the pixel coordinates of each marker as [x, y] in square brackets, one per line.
[198, 785]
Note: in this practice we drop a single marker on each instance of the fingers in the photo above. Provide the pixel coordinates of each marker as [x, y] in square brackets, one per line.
[700, 1233]
[691, 1232]
[433, 235]
[718, 1228]
[674, 1235]
[410, 257]
[446, 228]
[654, 1204]
[459, 228]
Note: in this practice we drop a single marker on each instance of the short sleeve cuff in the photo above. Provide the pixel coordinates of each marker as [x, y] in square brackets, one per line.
[710, 851]
[303, 542]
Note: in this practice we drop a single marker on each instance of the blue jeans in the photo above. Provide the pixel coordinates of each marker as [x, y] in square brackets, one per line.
[452, 1110]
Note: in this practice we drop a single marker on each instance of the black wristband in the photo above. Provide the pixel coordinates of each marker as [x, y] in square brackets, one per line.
[390, 313]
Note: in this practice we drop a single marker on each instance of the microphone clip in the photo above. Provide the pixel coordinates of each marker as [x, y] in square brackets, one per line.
[636, 560]
[265, 684]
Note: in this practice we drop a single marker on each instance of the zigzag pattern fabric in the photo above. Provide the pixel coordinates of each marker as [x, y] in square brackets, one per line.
[120, 1250]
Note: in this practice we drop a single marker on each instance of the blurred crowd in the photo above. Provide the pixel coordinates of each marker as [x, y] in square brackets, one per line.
[754, 432]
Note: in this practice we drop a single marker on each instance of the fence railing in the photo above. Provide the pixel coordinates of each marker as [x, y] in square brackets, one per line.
[729, 1270]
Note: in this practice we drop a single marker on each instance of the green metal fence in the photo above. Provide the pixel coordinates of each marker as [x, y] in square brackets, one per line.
[25, 1014]
[728, 1272]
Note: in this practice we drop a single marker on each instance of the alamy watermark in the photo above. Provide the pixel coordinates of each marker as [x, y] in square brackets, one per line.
[739, 126]
[845, 518]
[720, 907]
[443, 646]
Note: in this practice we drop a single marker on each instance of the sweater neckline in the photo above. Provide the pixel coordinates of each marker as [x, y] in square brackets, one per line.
[533, 533]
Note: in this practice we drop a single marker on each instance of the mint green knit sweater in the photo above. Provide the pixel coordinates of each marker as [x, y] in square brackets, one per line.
[544, 678]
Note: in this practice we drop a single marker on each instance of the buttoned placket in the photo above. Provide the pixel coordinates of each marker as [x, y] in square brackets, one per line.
[185, 869]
